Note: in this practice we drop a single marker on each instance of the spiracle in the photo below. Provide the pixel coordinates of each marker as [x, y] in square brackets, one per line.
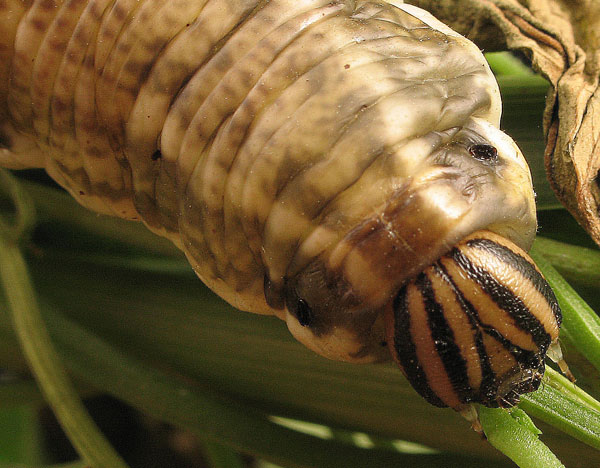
[335, 163]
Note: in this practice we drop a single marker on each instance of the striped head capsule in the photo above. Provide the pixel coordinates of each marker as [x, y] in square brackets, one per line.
[475, 326]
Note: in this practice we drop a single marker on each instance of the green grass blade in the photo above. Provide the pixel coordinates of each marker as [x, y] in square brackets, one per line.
[220, 456]
[60, 216]
[516, 440]
[39, 350]
[20, 435]
[572, 417]
[235, 424]
[77, 464]
[577, 264]
[567, 388]
[506, 64]
[178, 299]
[579, 321]
[20, 392]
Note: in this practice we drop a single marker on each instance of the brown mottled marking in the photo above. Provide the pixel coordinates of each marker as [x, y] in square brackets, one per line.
[28, 38]
[11, 12]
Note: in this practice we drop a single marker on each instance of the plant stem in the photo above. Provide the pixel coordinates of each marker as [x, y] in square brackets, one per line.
[39, 350]
[555, 408]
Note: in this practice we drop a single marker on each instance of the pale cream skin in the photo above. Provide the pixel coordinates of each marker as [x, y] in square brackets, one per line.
[264, 141]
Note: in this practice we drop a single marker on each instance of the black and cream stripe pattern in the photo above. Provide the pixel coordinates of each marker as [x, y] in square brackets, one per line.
[474, 327]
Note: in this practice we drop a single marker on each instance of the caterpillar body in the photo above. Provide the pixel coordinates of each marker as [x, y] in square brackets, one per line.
[335, 163]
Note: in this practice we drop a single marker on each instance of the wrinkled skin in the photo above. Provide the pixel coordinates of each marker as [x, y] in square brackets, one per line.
[308, 156]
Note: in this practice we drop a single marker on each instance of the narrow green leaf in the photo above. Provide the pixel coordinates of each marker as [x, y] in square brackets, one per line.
[221, 456]
[577, 264]
[57, 211]
[234, 423]
[505, 63]
[125, 312]
[569, 389]
[524, 420]
[579, 320]
[39, 350]
[77, 464]
[20, 435]
[570, 416]
[20, 392]
[516, 440]
[15, 224]
[125, 260]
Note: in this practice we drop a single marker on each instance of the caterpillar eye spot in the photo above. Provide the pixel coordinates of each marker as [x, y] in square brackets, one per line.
[487, 153]
[303, 313]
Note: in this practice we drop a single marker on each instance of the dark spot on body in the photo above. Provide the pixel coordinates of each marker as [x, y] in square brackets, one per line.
[347, 66]
[303, 313]
[124, 47]
[5, 140]
[58, 104]
[487, 153]
[299, 307]
[119, 12]
[156, 155]
[38, 25]
[81, 192]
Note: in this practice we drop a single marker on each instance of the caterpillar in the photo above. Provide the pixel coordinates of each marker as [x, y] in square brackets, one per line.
[337, 164]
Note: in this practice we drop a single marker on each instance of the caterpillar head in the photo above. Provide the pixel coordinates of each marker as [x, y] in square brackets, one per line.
[438, 276]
